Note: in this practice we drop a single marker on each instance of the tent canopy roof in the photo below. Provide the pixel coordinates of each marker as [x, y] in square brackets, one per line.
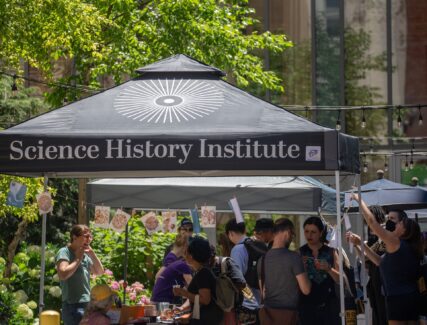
[391, 195]
[279, 194]
[178, 118]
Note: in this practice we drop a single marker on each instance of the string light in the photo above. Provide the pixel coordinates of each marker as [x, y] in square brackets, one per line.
[338, 124]
[371, 147]
[365, 165]
[406, 164]
[363, 118]
[420, 116]
[399, 118]
[411, 163]
[83, 88]
[386, 166]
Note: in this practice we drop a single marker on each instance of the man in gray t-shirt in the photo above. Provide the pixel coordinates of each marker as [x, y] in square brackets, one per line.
[282, 278]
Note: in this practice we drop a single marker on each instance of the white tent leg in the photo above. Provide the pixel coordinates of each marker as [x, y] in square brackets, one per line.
[362, 260]
[338, 199]
[43, 248]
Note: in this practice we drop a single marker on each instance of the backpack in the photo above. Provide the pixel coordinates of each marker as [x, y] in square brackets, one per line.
[256, 249]
[227, 293]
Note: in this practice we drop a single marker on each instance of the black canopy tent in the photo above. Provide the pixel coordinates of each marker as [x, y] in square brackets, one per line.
[178, 118]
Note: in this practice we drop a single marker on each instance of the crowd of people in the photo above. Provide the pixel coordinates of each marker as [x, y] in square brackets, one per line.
[273, 284]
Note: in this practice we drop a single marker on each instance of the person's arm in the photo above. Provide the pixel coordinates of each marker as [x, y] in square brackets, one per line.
[66, 269]
[187, 278]
[391, 242]
[304, 283]
[96, 268]
[159, 273]
[369, 253]
[204, 295]
[332, 270]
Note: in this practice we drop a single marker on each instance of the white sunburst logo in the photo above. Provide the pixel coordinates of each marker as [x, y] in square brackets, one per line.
[168, 101]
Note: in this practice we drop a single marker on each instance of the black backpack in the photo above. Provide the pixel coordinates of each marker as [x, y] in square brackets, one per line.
[256, 249]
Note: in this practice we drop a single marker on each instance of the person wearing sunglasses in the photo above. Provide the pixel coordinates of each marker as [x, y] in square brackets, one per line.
[74, 264]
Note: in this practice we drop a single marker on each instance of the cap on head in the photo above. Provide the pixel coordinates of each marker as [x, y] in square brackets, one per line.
[264, 224]
[101, 292]
[186, 222]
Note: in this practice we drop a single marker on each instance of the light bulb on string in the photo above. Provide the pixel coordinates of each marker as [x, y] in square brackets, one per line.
[420, 116]
[385, 167]
[338, 123]
[365, 167]
[363, 119]
[411, 164]
[406, 164]
[399, 118]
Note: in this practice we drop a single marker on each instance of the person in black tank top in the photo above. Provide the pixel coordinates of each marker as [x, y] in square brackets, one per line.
[321, 306]
[400, 264]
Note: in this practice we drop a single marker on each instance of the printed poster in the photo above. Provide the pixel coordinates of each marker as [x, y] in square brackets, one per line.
[44, 202]
[16, 195]
[236, 209]
[102, 217]
[208, 216]
[169, 221]
[151, 223]
[119, 221]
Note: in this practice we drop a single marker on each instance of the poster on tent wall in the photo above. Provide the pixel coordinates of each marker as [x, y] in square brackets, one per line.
[119, 221]
[151, 223]
[44, 202]
[16, 195]
[102, 217]
[169, 221]
[208, 219]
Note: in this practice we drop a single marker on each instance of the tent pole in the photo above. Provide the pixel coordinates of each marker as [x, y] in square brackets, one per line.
[340, 258]
[125, 270]
[362, 260]
[43, 248]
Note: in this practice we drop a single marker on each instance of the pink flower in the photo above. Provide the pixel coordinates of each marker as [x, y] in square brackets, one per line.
[121, 282]
[132, 296]
[115, 285]
[144, 300]
[138, 287]
[108, 272]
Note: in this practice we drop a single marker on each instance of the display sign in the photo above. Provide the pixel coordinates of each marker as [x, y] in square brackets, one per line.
[56, 154]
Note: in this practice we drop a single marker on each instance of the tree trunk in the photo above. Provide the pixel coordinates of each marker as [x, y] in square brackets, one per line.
[11, 250]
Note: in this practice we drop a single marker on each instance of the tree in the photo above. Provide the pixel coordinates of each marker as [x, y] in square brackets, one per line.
[23, 216]
[113, 38]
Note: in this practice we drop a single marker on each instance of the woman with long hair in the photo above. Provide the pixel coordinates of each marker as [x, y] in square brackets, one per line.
[374, 286]
[321, 262]
[399, 266]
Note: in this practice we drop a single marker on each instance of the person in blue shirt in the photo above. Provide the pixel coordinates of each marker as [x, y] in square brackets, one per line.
[236, 232]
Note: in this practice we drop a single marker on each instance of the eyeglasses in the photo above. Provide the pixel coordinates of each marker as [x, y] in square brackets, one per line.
[89, 236]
